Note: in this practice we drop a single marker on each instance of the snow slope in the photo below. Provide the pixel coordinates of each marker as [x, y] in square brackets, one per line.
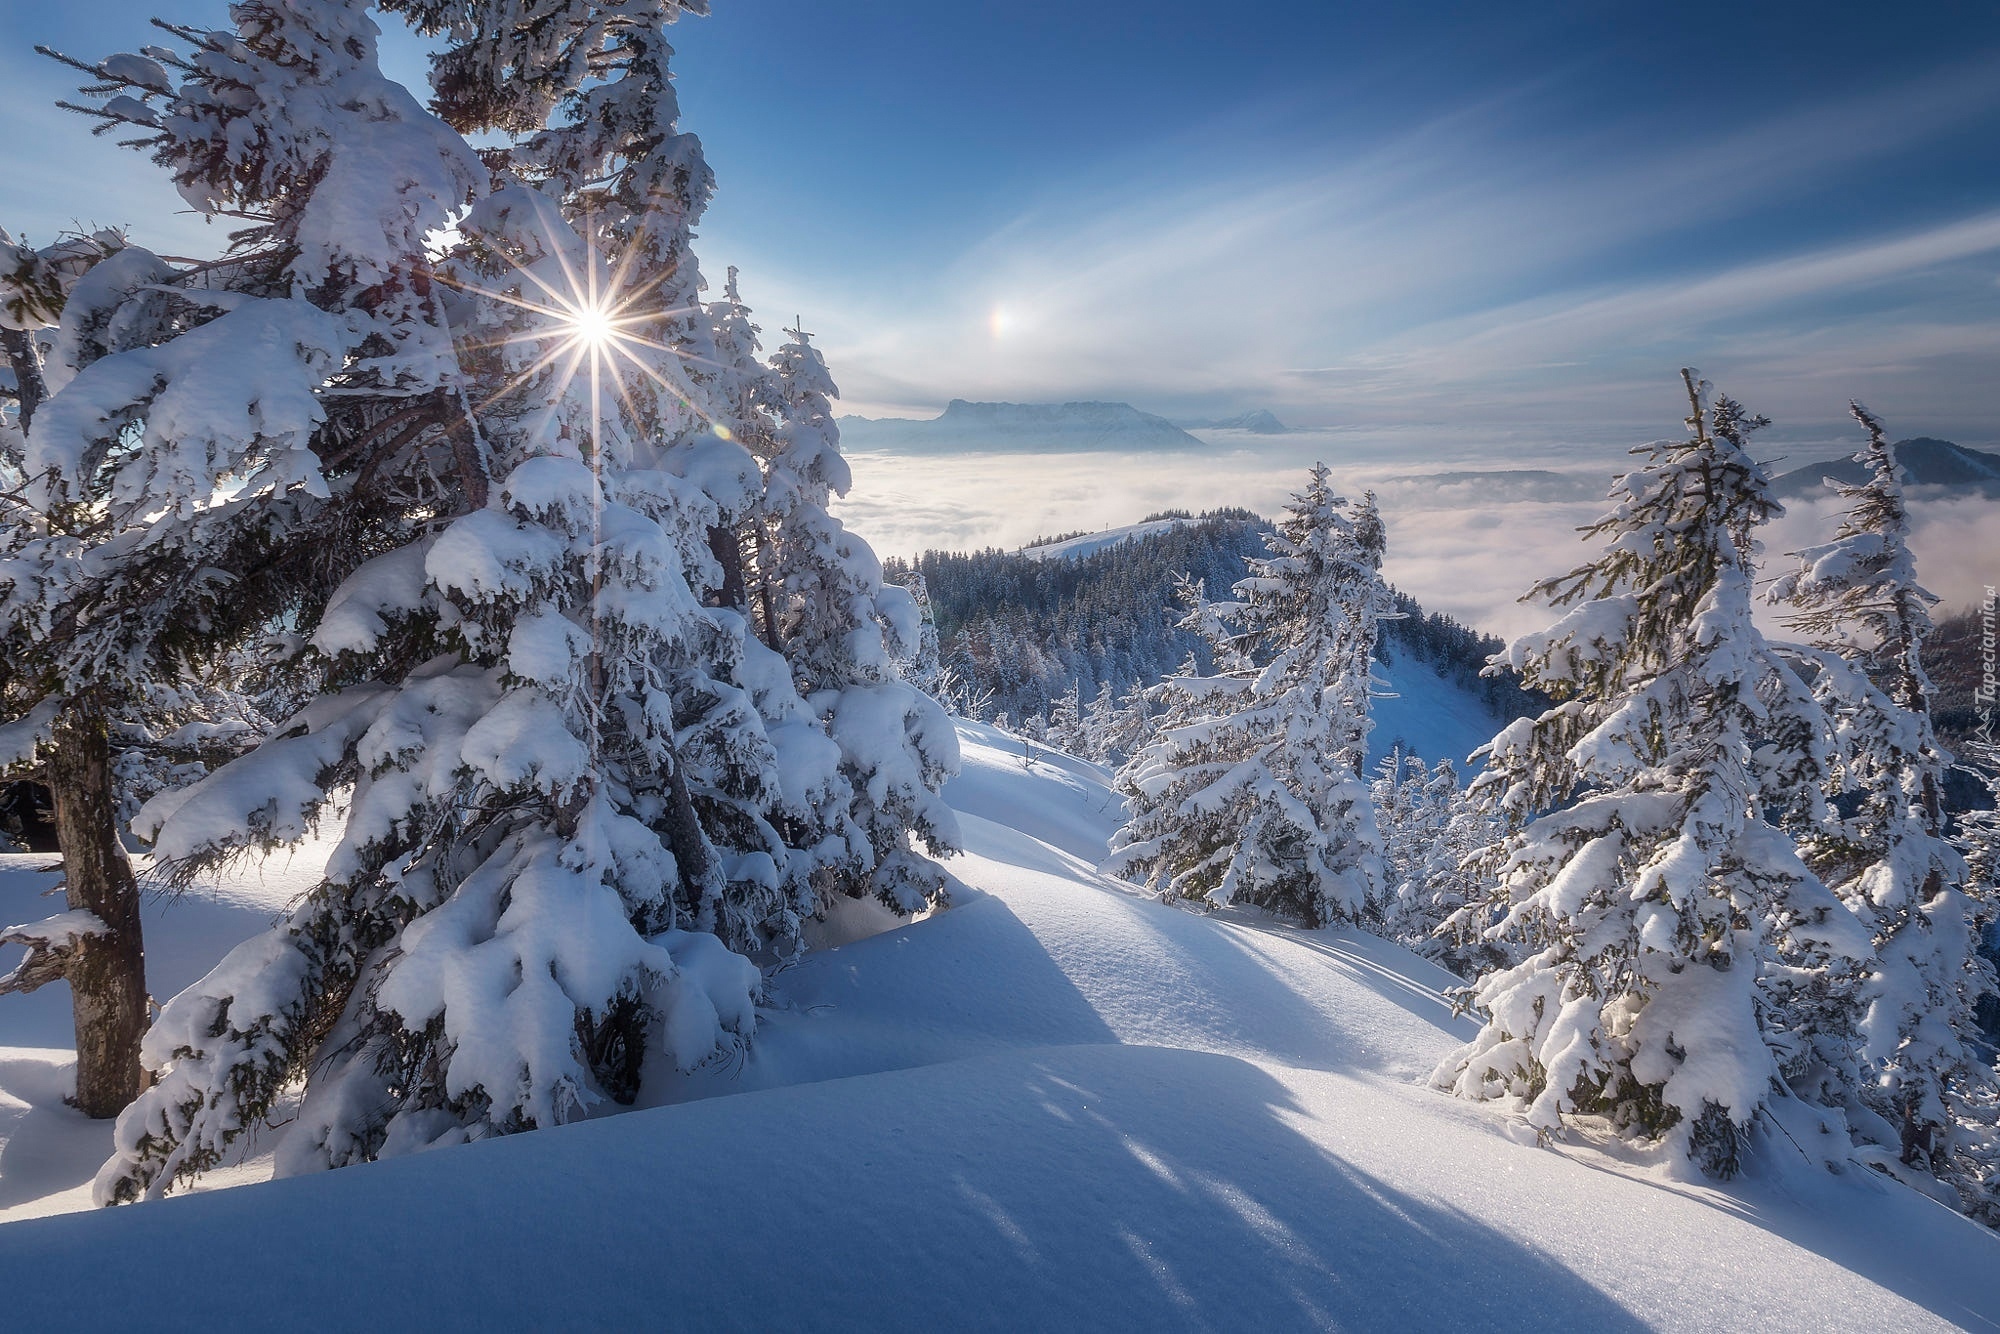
[1057, 1104]
[1431, 716]
[1089, 544]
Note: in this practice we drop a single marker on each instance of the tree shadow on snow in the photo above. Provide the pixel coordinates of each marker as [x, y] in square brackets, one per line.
[46, 1147]
[1152, 1188]
[1105, 1188]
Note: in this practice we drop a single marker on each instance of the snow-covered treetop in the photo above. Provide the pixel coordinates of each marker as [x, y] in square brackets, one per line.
[1251, 789]
[1865, 579]
[288, 120]
[1670, 588]
[809, 440]
[510, 63]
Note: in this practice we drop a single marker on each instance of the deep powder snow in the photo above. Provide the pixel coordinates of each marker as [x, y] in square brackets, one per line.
[1057, 1103]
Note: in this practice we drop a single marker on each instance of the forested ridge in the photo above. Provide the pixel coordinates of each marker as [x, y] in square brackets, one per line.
[1027, 627]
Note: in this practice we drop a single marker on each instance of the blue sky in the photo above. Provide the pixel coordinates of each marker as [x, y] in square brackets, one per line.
[1521, 218]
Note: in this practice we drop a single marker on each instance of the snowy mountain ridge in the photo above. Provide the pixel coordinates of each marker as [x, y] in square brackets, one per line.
[1054, 427]
[1056, 1102]
[1257, 421]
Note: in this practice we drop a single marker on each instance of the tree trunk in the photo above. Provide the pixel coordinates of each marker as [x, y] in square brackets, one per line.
[772, 639]
[27, 365]
[728, 549]
[107, 979]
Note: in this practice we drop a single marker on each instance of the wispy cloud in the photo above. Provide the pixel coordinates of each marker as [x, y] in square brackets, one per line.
[1473, 260]
[1615, 322]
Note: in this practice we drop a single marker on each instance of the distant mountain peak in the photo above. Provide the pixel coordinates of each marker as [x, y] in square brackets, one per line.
[1258, 421]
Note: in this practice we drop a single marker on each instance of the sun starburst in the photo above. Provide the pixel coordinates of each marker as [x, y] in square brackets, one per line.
[592, 320]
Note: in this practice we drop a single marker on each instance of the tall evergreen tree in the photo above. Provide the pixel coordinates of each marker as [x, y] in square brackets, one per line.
[181, 463]
[1065, 727]
[1252, 789]
[924, 668]
[529, 700]
[1100, 728]
[1883, 847]
[1403, 819]
[746, 392]
[844, 630]
[96, 946]
[583, 789]
[1451, 908]
[1431, 834]
[1642, 871]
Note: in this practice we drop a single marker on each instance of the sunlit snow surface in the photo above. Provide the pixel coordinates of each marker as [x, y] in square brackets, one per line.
[1055, 1105]
[1074, 548]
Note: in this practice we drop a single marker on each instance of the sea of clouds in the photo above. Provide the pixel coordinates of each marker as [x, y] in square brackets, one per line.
[1460, 542]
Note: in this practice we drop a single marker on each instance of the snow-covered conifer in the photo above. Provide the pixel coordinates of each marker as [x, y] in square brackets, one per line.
[1882, 846]
[1065, 726]
[743, 395]
[843, 630]
[1100, 725]
[1403, 820]
[522, 911]
[1132, 726]
[184, 453]
[57, 732]
[1445, 906]
[1642, 872]
[924, 668]
[1251, 791]
[1976, 835]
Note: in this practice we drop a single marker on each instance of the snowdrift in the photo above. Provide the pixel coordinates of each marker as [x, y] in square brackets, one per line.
[1057, 1104]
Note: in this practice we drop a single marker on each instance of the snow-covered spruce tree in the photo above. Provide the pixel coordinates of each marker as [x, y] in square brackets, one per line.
[815, 594]
[1100, 723]
[162, 732]
[1404, 819]
[924, 668]
[1976, 833]
[57, 732]
[747, 394]
[1252, 791]
[518, 914]
[1882, 847]
[567, 768]
[1065, 728]
[1975, 1140]
[1444, 906]
[1416, 810]
[178, 463]
[1642, 872]
[843, 630]
[1131, 727]
[637, 183]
